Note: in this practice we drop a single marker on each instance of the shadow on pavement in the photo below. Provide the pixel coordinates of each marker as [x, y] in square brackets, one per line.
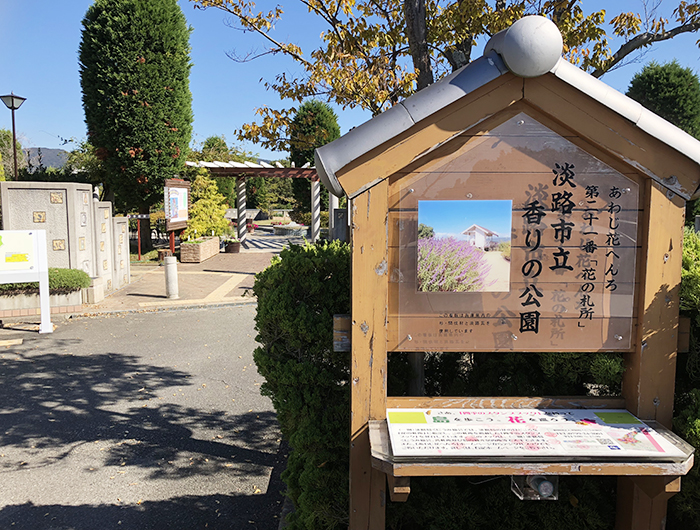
[51, 404]
[211, 512]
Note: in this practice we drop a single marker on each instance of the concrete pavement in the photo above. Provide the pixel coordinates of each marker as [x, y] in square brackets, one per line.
[128, 417]
[140, 421]
[221, 280]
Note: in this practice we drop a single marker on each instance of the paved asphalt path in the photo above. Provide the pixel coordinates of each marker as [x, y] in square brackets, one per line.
[139, 421]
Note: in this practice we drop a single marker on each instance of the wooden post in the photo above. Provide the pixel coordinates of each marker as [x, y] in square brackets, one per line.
[315, 210]
[241, 205]
[649, 378]
[369, 356]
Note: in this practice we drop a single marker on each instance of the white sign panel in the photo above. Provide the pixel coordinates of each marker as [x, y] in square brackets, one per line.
[16, 251]
[521, 433]
[24, 258]
[176, 209]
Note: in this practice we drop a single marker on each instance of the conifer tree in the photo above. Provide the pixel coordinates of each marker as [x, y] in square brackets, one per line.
[207, 210]
[134, 74]
[315, 124]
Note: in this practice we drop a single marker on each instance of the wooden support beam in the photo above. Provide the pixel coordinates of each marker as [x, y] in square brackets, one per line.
[648, 496]
[649, 380]
[369, 358]
[399, 488]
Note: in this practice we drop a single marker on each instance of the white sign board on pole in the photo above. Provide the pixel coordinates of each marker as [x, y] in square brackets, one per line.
[24, 258]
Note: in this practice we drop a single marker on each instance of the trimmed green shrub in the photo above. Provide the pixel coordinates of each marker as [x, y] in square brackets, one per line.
[61, 281]
[307, 381]
[684, 507]
[304, 218]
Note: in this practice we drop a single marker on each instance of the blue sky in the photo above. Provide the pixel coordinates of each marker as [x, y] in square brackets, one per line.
[451, 218]
[40, 40]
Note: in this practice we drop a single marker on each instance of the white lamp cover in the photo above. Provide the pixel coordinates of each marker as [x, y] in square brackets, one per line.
[13, 102]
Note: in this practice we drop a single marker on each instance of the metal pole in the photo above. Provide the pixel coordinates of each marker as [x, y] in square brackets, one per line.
[138, 231]
[14, 141]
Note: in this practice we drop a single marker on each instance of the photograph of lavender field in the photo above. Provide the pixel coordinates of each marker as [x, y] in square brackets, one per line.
[464, 246]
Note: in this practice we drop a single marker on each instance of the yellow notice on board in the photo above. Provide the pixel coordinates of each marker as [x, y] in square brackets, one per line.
[407, 417]
[16, 251]
[617, 418]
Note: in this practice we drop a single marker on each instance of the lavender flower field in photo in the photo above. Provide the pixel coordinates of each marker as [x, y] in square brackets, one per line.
[448, 264]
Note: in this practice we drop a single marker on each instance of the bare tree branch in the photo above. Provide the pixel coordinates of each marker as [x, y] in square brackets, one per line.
[642, 40]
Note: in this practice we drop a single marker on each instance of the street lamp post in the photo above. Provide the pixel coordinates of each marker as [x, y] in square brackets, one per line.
[13, 102]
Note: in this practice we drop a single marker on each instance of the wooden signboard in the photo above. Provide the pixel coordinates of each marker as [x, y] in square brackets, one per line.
[525, 217]
[176, 203]
[517, 241]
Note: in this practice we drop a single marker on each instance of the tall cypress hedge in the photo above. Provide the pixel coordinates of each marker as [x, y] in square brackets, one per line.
[134, 73]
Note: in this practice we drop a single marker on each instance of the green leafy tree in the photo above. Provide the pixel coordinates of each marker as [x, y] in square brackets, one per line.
[84, 164]
[2, 170]
[8, 160]
[425, 231]
[134, 74]
[206, 215]
[671, 91]
[314, 125]
[215, 148]
[374, 53]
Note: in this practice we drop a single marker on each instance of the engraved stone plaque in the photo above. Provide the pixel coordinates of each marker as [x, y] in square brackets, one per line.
[105, 265]
[59, 244]
[39, 217]
[104, 228]
[56, 197]
[81, 243]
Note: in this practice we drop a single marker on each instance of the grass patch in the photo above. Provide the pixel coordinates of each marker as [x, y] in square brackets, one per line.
[146, 257]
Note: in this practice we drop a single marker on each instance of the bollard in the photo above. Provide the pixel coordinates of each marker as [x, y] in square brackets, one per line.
[171, 290]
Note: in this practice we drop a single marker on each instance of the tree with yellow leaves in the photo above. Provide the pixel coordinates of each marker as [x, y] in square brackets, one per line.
[375, 53]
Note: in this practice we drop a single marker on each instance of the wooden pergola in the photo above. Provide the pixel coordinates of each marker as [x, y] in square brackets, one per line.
[242, 170]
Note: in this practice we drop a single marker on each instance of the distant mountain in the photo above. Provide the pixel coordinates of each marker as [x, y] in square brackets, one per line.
[49, 157]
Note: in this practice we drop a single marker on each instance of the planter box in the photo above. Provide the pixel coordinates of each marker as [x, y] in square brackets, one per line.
[22, 305]
[299, 231]
[199, 252]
